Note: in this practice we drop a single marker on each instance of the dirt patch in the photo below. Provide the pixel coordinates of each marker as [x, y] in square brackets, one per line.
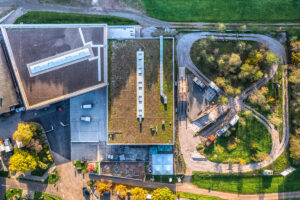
[122, 93]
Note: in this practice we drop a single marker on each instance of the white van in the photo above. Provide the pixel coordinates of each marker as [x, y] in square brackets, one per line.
[87, 106]
[7, 145]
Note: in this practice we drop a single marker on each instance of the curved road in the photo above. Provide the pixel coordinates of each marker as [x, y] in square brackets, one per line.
[186, 135]
[146, 21]
[30, 5]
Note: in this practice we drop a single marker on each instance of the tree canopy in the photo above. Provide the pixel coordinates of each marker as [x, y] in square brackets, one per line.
[22, 161]
[162, 194]
[121, 191]
[138, 193]
[24, 133]
[102, 187]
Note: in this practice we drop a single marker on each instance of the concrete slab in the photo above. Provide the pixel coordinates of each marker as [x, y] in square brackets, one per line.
[121, 32]
[93, 131]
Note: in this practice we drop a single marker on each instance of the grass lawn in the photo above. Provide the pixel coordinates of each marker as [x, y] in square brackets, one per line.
[37, 17]
[279, 165]
[196, 196]
[122, 121]
[52, 178]
[274, 99]
[38, 196]
[224, 10]
[252, 132]
[10, 193]
[249, 184]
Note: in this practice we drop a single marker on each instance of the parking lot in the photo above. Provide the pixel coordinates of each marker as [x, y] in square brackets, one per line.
[8, 125]
[56, 124]
[196, 101]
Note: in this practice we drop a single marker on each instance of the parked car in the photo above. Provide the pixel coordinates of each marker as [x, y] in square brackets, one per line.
[87, 106]
[59, 108]
[85, 191]
[210, 140]
[8, 145]
[85, 118]
[198, 82]
[221, 131]
[20, 109]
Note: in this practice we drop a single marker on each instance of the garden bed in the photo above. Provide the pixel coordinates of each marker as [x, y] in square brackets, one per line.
[10, 193]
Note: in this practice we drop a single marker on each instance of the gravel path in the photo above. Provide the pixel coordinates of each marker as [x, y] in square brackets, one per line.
[187, 139]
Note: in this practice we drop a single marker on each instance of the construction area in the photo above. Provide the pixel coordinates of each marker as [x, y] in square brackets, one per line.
[157, 125]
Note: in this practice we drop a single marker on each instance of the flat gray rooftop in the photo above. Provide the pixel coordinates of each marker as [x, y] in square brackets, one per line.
[96, 130]
[30, 43]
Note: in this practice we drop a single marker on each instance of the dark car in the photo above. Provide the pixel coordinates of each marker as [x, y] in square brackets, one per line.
[85, 191]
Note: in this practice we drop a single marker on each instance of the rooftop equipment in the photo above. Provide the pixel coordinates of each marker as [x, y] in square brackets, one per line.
[59, 61]
[161, 69]
[140, 85]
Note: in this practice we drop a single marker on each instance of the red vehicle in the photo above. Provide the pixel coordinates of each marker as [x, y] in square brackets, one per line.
[210, 140]
[59, 108]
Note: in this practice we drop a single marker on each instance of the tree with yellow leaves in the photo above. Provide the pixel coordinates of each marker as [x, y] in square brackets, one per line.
[138, 193]
[22, 162]
[162, 194]
[121, 191]
[103, 187]
[24, 133]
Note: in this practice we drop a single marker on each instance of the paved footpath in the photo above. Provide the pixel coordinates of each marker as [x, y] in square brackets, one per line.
[69, 187]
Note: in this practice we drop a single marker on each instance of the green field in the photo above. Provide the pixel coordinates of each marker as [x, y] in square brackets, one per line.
[224, 10]
[37, 17]
[196, 196]
[249, 184]
[251, 132]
